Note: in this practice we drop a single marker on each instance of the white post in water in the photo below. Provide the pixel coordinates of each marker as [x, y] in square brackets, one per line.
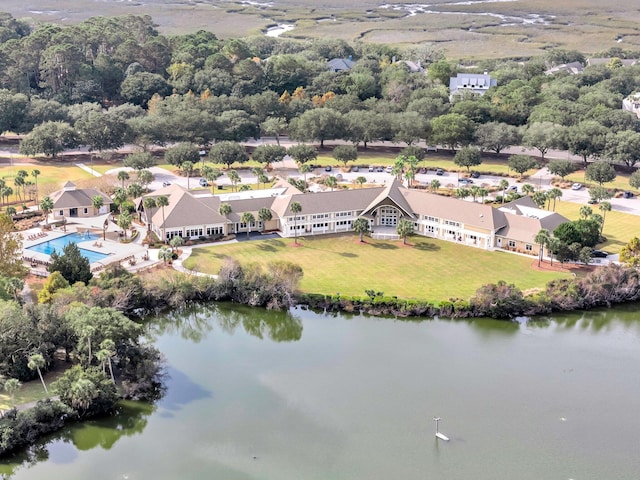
[438, 434]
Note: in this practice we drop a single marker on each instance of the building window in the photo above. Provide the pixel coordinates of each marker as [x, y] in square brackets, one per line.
[85, 210]
[344, 214]
[214, 231]
[61, 213]
[528, 247]
[452, 223]
[431, 219]
[511, 243]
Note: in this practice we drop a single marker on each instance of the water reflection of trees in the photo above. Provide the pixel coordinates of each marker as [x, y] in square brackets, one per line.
[131, 419]
[195, 323]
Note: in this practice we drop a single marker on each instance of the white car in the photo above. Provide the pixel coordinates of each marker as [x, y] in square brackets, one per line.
[576, 186]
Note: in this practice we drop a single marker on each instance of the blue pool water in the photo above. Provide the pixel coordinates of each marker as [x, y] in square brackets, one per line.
[59, 243]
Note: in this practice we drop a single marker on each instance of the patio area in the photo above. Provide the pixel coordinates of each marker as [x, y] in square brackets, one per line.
[101, 250]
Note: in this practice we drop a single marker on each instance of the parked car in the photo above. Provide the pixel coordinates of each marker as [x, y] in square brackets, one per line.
[339, 177]
[372, 168]
[203, 182]
[475, 174]
[592, 201]
[599, 254]
[627, 194]
[465, 181]
[423, 170]
[576, 186]
[327, 168]
[379, 169]
[355, 168]
[389, 169]
[439, 171]
[512, 188]
[166, 184]
[431, 148]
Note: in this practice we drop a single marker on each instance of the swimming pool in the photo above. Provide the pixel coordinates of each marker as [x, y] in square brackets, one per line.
[59, 243]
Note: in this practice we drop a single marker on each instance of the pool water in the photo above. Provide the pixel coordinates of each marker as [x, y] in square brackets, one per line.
[59, 243]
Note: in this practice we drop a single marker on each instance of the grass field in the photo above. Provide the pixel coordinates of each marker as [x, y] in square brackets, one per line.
[426, 269]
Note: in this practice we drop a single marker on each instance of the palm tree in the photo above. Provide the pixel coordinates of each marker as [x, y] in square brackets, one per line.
[331, 182]
[36, 362]
[34, 173]
[398, 167]
[539, 198]
[248, 219]
[258, 172]
[554, 194]
[304, 169]
[295, 208]
[176, 243]
[11, 211]
[165, 254]
[97, 202]
[7, 192]
[264, 215]
[409, 176]
[11, 386]
[552, 245]
[149, 204]
[19, 183]
[161, 202]
[604, 207]
[434, 185]
[542, 239]
[585, 211]
[107, 351]
[503, 185]
[125, 221]
[361, 227]
[46, 205]
[120, 196]
[187, 169]
[263, 179]
[528, 189]
[475, 192]
[224, 209]
[123, 176]
[211, 174]
[361, 180]
[404, 229]
[234, 178]
[135, 190]
[14, 286]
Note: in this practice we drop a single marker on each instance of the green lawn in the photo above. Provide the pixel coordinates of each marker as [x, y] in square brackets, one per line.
[31, 391]
[489, 165]
[427, 269]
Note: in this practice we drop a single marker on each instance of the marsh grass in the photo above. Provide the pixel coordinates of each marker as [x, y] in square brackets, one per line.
[586, 25]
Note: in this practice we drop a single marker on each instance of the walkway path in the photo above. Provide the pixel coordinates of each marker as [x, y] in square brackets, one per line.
[88, 169]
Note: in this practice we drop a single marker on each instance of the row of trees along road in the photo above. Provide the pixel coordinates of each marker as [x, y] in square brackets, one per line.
[109, 81]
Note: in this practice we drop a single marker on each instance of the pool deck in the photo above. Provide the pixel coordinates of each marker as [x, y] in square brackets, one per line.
[132, 256]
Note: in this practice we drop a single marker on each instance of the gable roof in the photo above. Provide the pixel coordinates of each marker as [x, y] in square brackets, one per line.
[470, 214]
[391, 192]
[339, 64]
[70, 197]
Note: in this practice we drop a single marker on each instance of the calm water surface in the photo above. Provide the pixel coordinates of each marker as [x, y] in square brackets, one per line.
[263, 395]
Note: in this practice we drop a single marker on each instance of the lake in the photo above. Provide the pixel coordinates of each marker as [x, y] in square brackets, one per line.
[266, 395]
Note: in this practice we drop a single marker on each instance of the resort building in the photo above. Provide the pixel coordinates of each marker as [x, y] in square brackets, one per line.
[471, 82]
[192, 214]
[72, 202]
